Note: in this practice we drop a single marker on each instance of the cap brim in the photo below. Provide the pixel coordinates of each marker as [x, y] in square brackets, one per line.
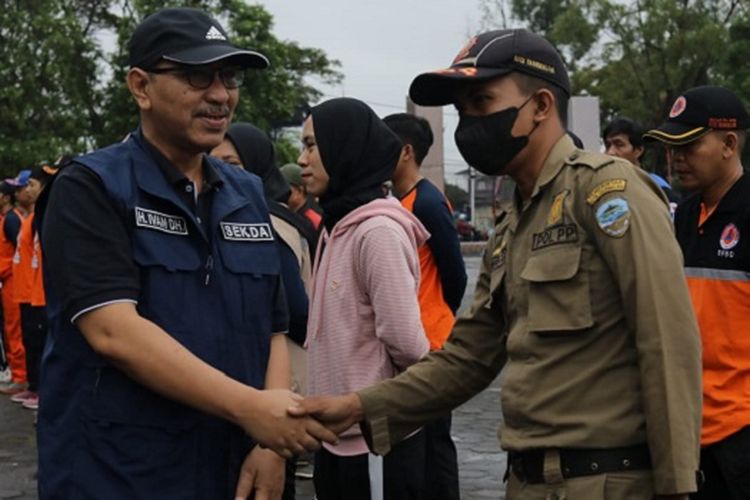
[675, 134]
[438, 88]
[215, 52]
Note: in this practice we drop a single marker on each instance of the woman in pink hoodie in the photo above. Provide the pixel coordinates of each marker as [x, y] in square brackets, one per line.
[364, 324]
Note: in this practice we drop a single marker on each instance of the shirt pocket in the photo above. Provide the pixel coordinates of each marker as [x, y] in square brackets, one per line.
[166, 263]
[252, 278]
[559, 295]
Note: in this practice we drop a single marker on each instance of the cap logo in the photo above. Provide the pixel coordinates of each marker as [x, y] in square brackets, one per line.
[470, 71]
[525, 61]
[678, 107]
[465, 50]
[726, 123]
[215, 34]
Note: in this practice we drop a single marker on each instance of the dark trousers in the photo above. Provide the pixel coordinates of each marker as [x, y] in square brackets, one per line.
[441, 461]
[348, 478]
[290, 488]
[726, 468]
[34, 330]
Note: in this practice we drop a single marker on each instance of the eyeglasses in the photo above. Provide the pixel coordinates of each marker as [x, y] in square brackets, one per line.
[201, 77]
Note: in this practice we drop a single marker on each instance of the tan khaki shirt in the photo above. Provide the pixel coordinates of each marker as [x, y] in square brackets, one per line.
[582, 298]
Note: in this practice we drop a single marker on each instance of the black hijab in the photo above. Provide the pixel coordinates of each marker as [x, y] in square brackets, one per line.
[257, 155]
[358, 151]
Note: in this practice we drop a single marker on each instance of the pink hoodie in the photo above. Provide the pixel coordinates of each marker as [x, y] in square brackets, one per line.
[364, 324]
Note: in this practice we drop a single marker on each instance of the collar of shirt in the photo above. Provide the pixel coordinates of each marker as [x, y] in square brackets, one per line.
[562, 149]
[176, 178]
[733, 201]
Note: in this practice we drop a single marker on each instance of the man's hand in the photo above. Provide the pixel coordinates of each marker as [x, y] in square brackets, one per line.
[265, 417]
[262, 473]
[336, 413]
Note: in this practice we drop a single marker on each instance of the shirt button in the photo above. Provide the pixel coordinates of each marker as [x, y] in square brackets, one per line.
[189, 188]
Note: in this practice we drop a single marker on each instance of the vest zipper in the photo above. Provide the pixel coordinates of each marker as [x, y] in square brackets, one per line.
[209, 267]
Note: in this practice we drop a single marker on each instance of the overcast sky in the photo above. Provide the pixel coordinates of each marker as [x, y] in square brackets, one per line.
[382, 45]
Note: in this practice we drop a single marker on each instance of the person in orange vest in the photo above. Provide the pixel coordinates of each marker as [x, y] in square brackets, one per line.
[705, 133]
[14, 350]
[6, 205]
[26, 263]
[442, 281]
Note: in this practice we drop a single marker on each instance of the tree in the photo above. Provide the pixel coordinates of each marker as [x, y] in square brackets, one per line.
[637, 56]
[63, 89]
[48, 80]
[456, 195]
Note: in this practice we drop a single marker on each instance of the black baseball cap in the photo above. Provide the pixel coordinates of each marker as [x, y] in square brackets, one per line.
[489, 55]
[697, 112]
[186, 36]
[7, 189]
[43, 173]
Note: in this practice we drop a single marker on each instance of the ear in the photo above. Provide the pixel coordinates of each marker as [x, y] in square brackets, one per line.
[139, 83]
[729, 148]
[545, 105]
[407, 153]
[639, 151]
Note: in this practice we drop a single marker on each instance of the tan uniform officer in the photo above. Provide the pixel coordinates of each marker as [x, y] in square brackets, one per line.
[581, 297]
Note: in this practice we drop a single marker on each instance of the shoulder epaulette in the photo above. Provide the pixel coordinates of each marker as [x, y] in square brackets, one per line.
[590, 159]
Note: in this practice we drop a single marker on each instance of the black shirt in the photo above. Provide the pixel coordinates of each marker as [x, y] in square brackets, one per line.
[723, 240]
[87, 246]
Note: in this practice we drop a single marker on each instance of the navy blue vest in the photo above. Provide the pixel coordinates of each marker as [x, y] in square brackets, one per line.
[212, 292]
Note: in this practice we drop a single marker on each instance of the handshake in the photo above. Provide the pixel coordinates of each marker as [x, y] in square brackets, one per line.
[290, 424]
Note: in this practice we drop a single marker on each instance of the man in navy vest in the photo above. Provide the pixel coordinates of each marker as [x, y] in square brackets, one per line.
[166, 316]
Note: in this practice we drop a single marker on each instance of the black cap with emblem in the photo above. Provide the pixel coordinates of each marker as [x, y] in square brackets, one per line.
[186, 36]
[698, 111]
[489, 55]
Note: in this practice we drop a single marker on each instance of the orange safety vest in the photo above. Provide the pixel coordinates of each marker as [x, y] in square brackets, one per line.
[14, 349]
[38, 298]
[437, 317]
[23, 272]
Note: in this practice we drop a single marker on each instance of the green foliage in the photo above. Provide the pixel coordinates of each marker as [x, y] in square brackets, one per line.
[637, 56]
[276, 97]
[48, 81]
[61, 91]
[456, 195]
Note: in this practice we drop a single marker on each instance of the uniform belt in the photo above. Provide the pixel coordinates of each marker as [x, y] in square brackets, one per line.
[528, 466]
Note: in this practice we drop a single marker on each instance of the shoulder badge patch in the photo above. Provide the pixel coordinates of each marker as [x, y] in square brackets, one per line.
[166, 223]
[555, 214]
[610, 186]
[613, 217]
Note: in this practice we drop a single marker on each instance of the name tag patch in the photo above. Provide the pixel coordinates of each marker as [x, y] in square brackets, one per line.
[151, 219]
[564, 233]
[236, 231]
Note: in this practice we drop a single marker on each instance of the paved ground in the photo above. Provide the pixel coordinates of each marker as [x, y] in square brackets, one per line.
[481, 463]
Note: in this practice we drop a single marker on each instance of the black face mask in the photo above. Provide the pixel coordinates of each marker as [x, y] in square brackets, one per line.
[486, 142]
